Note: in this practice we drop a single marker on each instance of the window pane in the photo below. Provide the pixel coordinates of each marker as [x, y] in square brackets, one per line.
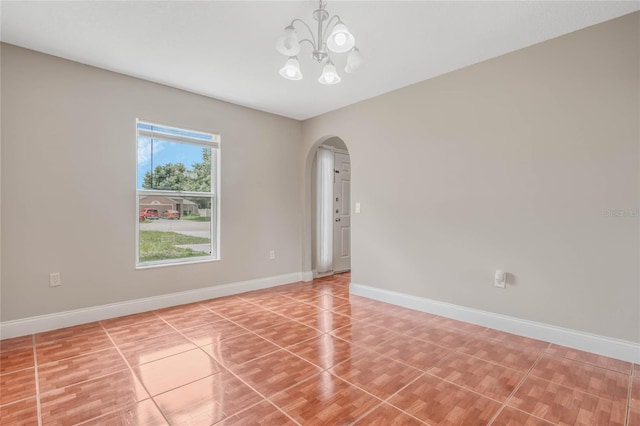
[174, 227]
[173, 166]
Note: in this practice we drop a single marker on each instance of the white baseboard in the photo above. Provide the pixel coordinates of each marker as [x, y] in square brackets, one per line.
[54, 321]
[606, 346]
[308, 276]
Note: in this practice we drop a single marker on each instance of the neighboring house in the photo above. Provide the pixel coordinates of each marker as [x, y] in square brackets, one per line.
[162, 204]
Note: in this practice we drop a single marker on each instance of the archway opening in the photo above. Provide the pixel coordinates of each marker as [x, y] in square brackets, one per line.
[328, 246]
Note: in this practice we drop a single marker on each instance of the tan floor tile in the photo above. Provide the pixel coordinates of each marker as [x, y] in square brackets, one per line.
[240, 349]
[490, 380]
[17, 385]
[136, 332]
[187, 321]
[566, 406]
[414, 352]
[275, 372]
[214, 333]
[386, 415]
[583, 377]
[503, 336]
[223, 301]
[438, 402]
[362, 333]
[57, 349]
[635, 390]
[400, 323]
[176, 370]
[306, 294]
[17, 359]
[263, 413]
[259, 320]
[358, 310]
[68, 371]
[68, 332]
[87, 400]
[326, 321]
[447, 337]
[181, 310]
[327, 301]
[143, 413]
[590, 358]
[634, 416]
[375, 373]
[379, 350]
[325, 400]
[325, 350]
[129, 319]
[512, 417]
[231, 310]
[144, 351]
[16, 343]
[288, 333]
[467, 327]
[297, 310]
[21, 413]
[270, 301]
[506, 353]
[207, 400]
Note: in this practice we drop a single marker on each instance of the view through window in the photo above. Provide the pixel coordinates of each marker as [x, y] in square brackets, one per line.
[177, 195]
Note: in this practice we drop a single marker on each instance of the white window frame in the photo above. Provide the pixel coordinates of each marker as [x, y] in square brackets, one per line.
[214, 194]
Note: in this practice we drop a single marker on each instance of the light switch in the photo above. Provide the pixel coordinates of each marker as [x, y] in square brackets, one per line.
[357, 207]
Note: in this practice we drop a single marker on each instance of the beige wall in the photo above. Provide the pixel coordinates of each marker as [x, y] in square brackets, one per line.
[68, 142]
[512, 164]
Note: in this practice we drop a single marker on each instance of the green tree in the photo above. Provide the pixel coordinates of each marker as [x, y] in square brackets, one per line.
[168, 176]
[200, 178]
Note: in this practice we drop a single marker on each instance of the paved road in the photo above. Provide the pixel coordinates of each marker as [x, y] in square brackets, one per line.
[185, 227]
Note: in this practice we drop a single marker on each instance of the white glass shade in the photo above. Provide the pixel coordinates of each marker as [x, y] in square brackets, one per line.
[340, 40]
[329, 74]
[288, 44]
[354, 60]
[291, 69]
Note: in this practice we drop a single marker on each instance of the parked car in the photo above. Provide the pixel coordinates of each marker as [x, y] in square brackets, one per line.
[149, 214]
[171, 214]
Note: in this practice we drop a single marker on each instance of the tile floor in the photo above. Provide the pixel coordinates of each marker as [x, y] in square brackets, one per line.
[307, 354]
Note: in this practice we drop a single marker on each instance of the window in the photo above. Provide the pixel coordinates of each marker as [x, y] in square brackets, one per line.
[177, 195]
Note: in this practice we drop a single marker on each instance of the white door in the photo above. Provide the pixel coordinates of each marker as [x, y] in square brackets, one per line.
[342, 213]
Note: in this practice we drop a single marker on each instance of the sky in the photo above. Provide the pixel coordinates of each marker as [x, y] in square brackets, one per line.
[163, 153]
[159, 145]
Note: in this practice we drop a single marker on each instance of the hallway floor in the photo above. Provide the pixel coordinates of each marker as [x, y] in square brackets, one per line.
[308, 354]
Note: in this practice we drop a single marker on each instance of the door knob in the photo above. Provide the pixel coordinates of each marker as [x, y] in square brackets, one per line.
[338, 220]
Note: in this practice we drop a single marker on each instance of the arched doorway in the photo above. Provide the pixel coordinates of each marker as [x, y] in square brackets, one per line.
[330, 207]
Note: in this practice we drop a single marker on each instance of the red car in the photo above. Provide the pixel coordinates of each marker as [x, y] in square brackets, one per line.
[171, 214]
[149, 214]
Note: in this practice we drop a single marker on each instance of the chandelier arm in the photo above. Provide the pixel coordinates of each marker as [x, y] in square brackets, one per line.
[308, 29]
[326, 28]
[313, 46]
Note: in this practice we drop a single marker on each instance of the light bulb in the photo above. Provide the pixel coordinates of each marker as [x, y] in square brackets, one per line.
[329, 74]
[288, 44]
[291, 69]
[340, 40]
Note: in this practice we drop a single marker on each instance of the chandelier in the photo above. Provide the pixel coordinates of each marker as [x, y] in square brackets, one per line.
[332, 36]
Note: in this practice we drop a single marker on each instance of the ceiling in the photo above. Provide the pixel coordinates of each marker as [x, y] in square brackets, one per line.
[226, 49]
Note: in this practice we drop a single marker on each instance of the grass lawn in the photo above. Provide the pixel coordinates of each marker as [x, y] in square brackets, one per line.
[158, 245]
[197, 218]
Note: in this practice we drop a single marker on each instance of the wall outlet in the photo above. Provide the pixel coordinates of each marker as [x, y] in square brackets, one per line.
[272, 254]
[54, 279]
